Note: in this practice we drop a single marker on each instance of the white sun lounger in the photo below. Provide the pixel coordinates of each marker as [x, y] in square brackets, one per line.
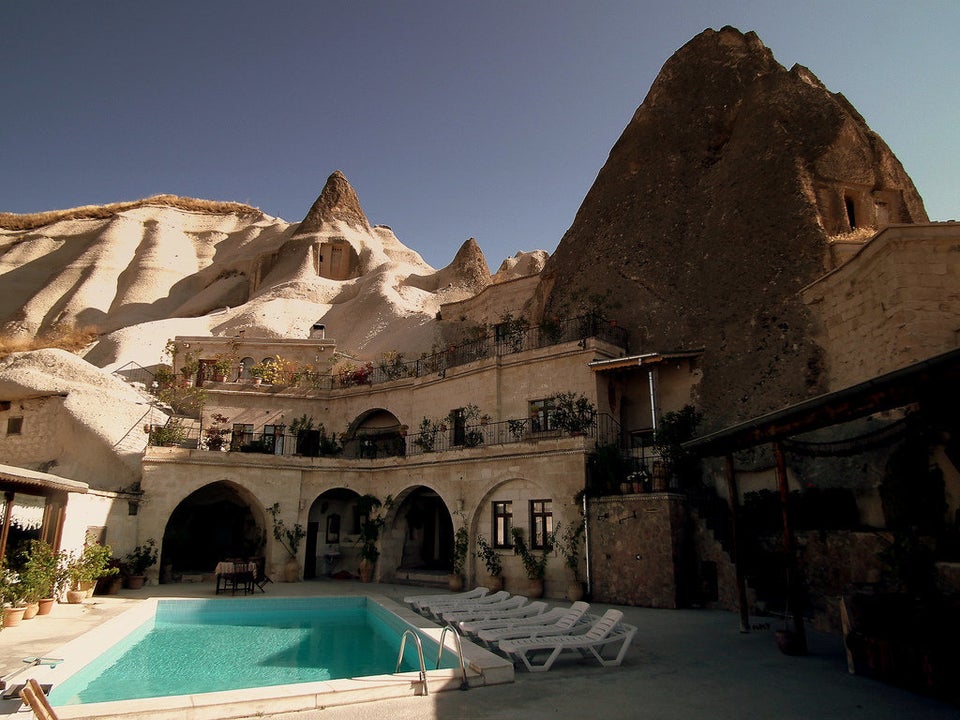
[477, 592]
[607, 631]
[476, 612]
[527, 612]
[434, 608]
[558, 621]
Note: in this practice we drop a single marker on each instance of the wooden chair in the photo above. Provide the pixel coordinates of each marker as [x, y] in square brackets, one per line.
[32, 694]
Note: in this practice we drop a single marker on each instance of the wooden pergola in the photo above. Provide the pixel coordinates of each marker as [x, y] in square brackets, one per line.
[53, 488]
[932, 386]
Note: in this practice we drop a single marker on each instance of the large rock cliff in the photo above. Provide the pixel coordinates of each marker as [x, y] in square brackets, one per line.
[715, 206]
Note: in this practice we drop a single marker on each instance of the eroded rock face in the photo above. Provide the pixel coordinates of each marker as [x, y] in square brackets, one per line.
[715, 207]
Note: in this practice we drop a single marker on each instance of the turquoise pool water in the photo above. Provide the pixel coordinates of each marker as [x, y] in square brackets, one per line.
[197, 646]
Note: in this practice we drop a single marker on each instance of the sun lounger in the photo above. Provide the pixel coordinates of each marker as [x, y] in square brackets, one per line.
[608, 631]
[432, 608]
[477, 592]
[528, 612]
[476, 612]
[558, 621]
[32, 694]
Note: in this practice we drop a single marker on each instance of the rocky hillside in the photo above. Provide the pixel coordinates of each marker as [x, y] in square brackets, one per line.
[715, 206]
[142, 272]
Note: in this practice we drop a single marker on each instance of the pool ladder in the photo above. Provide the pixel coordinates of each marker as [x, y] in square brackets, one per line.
[464, 685]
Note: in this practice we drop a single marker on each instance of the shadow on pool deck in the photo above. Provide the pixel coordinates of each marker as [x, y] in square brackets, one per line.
[682, 664]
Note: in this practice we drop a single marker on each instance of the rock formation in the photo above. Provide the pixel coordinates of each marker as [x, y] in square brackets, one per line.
[142, 272]
[715, 206]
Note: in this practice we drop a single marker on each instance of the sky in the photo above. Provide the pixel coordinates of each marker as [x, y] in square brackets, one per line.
[450, 119]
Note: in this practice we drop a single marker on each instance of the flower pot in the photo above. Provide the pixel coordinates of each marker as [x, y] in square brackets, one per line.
[534, 587]
[291, 571]
[45, 605]
[495, 583]
[366, 571]
[575, 591]
[31, 610]
[455, 582]
[75, 597]
[87, 587]
[13, 615]
[135, 582]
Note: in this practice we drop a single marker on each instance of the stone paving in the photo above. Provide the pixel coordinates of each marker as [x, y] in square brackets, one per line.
[682, 664]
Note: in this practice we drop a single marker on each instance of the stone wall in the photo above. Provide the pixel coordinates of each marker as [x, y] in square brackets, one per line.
[894, 303]
[638, 553]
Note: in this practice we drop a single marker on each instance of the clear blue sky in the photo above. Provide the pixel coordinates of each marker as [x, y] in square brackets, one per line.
[451, 119]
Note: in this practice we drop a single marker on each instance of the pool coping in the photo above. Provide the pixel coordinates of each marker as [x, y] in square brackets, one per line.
[483, 668]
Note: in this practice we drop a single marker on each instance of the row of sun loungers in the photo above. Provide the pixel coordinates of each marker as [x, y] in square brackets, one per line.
[524, 631]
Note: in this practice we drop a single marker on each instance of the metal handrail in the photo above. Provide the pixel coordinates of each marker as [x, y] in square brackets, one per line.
[464, 685]
[423, 668]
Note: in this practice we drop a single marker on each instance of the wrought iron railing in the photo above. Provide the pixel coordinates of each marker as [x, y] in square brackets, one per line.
[603, 429]
[501, 342]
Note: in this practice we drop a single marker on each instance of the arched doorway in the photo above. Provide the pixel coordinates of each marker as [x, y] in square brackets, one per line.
[375, 433]
[211, 524]
[427, 529]
[333, 519]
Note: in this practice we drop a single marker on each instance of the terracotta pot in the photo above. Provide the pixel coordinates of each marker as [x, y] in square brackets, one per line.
[455, 582]
[575, 591]
[13, 615]
[75, 597]
[534, 587]
[45, 605]
[495, 584]
[291, 571]
[31, 610]
[366, 571]
[135, 582]
[87, 587]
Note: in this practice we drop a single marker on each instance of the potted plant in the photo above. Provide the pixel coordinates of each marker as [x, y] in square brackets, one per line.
[534, 563]
[11, 595]
[461, 545]
[573, 413]
[516, 428]
[40, 576]
[492, 561]
[427, 437]
[220, 367]
[369, 506]
[170, 435]
[216, 434]
[290, 539]
[568, 543]
[137, 561]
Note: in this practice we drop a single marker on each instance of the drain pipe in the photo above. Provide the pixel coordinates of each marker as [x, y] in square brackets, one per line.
[653, 398]
[586, 546]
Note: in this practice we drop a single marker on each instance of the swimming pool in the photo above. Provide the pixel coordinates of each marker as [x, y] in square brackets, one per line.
[91, 660]
[195, 646]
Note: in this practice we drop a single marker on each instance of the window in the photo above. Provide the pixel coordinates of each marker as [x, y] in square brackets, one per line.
[541, 522]
[541, 415]
[502, 522]
[242, 435]
[14, 425]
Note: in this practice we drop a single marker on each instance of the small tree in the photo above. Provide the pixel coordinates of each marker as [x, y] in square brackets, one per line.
[573, 413]
[492, 560]
[534, 563]
[289, 538]
[461, 545]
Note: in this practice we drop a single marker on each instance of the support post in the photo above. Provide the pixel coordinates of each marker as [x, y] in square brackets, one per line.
[733, 500]
[793, 578]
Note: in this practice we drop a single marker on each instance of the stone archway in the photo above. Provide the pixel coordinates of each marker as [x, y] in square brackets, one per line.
[375, 433]
[217, 521]
[332, 521]
[420, 540]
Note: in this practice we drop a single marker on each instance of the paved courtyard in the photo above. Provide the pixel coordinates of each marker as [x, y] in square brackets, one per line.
[682, 664]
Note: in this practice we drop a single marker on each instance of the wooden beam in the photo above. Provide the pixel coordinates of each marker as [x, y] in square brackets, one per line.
[733, 499]
[793, 577]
